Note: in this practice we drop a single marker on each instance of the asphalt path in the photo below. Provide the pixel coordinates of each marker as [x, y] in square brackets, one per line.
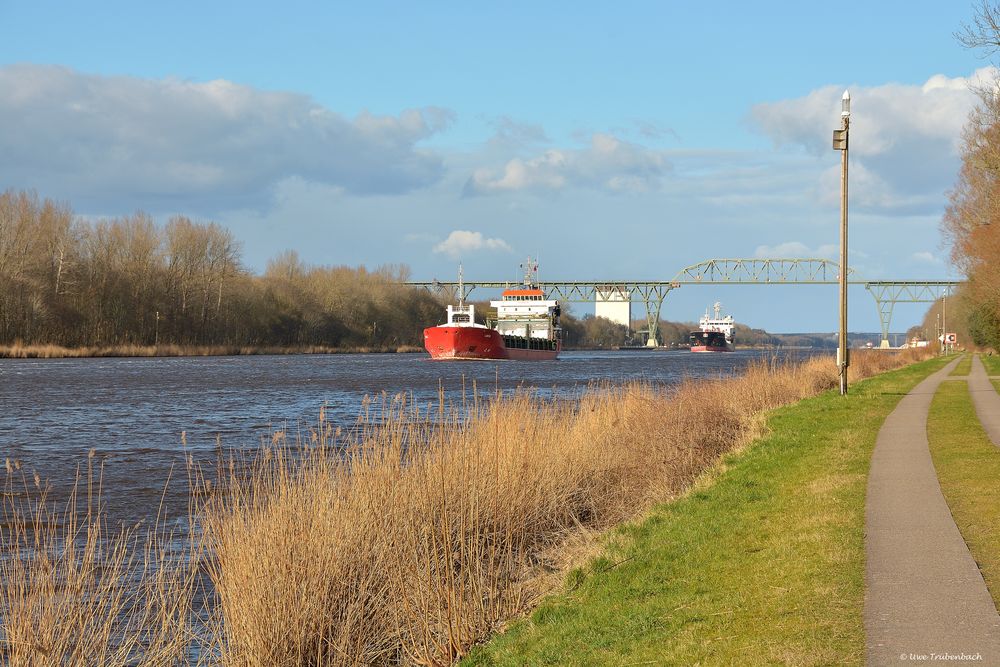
[986, 400]
[925, 599]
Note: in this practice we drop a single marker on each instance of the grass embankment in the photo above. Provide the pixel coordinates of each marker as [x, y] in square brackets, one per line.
[762, 564]
[968, 467]
[58, 352]
[964, 366]
[430, 531]
[991, 363]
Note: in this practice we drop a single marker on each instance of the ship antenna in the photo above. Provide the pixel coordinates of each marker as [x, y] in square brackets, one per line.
[461, 288]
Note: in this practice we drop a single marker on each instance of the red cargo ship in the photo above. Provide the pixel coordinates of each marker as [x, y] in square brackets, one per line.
[526, 328]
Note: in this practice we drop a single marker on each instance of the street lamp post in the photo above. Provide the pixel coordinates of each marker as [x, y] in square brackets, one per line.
[840, 143]
[944, 322]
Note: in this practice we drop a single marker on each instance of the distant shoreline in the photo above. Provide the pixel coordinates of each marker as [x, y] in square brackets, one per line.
[152, 351]
[60, 352]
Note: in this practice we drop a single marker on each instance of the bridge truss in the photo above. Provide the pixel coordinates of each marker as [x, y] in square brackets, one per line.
[887, 294]
[753, 271]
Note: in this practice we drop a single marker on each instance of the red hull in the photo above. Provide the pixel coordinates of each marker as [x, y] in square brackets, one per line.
[444, 342]
[710, 348]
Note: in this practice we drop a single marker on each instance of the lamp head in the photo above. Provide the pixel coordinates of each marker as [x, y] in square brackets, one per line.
[845, 105]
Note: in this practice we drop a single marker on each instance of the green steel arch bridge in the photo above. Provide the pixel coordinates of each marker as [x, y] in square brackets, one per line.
[808, 271]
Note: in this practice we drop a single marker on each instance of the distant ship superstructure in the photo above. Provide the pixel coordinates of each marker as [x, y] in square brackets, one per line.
[715, 334]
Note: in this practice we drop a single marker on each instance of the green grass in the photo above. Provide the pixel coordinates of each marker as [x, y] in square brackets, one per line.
[968, 467]
[762, 564]
[992, 363]
[964, 367]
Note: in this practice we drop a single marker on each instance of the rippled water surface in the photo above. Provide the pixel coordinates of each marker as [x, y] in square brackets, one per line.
[132, 411]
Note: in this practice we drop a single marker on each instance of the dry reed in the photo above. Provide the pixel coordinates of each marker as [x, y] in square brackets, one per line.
[76, 592]
[410, 540]
[433, 528]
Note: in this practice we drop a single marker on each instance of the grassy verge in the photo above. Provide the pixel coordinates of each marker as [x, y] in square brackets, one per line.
[992, 363]
[968, 467]
[964, 367]
[765, 565]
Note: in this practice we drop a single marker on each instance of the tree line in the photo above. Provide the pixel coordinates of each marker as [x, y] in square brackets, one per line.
[128, 281]
[971, 223]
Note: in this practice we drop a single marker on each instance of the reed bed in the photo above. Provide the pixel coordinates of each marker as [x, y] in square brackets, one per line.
[404, 542]
[435, 527]
[76, 591]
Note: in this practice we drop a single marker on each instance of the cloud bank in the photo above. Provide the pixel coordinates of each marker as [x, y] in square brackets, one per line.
[218, 143]
[905, 139]
[796, 249]
[608, 164]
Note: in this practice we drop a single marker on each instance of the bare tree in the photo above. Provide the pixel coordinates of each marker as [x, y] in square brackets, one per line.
[984, 31]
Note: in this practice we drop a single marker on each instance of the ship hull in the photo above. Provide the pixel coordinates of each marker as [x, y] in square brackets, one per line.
[479, 343]
[711, 348]
[710, 341]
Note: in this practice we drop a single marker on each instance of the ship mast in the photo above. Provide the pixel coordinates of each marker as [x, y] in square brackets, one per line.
[529, 269]
[461, 288]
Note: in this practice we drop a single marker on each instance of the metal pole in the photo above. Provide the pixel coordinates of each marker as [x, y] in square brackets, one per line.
[842, 352]
[944, 320]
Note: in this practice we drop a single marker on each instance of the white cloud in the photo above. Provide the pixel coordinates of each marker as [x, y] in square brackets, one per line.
[927, 258]
[793, 249]
[461, 241]
[608, 163]
[905, 139]
[129, 141]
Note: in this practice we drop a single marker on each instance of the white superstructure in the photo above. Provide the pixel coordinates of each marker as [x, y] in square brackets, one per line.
[528, 315]
[462, 315]
[524, 311]
[718, 323]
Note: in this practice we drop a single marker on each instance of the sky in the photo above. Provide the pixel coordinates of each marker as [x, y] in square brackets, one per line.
[612, 141]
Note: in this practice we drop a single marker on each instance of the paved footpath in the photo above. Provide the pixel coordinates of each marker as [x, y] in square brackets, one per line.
[925, 599]
[986, 400]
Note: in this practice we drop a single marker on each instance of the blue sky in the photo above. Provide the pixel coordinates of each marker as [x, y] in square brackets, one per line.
[614, 141]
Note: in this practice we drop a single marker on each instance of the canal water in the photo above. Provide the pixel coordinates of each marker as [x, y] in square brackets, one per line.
[132, 411]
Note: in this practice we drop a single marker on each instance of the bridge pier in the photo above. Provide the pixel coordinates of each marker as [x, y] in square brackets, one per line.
[653, 320]
[888, 293]
[885, 319]
[652, 297]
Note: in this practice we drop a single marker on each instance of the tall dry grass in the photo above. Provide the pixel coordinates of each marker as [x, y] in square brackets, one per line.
[407, 541]
[430, 531]
[79, 592]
